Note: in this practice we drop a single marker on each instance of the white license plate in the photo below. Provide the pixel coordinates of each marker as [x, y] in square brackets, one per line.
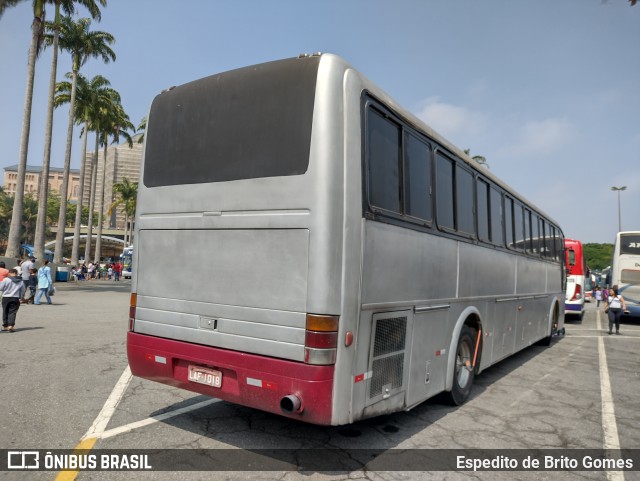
[203, 375]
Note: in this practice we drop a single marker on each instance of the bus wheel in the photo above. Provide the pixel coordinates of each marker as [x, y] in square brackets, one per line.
[464, 373]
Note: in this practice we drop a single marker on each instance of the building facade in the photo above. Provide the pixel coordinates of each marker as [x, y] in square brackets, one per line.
[32, 181]
[122, 161]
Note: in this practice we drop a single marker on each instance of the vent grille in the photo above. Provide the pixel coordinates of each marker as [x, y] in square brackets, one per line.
[390, 336]
[387, 360]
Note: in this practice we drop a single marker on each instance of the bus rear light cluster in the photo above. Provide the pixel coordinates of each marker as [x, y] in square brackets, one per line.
[577, 295]
[132, 310]
[321, 339]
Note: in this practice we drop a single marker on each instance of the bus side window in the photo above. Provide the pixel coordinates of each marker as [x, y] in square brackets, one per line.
[383, 145]
[497, 233]
[483, 201]
[508, 222]
[465, 222]
[444, 192]
[518, 227]
[417, 169]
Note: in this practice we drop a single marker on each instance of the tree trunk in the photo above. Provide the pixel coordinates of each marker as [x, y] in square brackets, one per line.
[92, 199]
[43, 190]
[76, 231]
[101, 204]
[62, 218]
[13, 241]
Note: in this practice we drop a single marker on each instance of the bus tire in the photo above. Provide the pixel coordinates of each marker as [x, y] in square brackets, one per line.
[464, 372]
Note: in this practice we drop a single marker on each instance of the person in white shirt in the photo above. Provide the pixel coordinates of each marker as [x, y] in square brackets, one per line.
[12, 288]
[26, 270]
[616, 306]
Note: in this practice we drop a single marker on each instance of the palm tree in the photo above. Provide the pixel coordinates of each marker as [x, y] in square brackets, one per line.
[91, 97]
[68, 6]
[37, 28]
[97, 115]
[142, 126]
[115, 123]
[83, 44]
[126, 193]
[4, 4]
[480, 160]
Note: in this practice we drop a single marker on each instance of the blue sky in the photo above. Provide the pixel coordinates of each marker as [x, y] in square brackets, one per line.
[547, 90]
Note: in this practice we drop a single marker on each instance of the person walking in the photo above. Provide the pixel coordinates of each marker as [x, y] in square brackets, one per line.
[26, 270]
[12, 288]
[598, 296]
[33, 287]
[117, 271]
[44, 282]
[616, 306]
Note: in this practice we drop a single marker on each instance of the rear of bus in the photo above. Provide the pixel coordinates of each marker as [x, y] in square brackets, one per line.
[576, 270]
[238, 274]
[626, 270]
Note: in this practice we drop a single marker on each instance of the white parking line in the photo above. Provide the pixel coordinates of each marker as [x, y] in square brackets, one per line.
[109, 408]
[609, 426]
[154, 419]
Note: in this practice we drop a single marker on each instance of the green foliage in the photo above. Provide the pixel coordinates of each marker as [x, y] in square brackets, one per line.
[598, 256]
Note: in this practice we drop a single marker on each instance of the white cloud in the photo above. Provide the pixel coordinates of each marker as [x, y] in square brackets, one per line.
[541, 137]
[451, 120]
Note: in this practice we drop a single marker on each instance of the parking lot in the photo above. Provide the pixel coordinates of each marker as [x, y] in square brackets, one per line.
[65, 381]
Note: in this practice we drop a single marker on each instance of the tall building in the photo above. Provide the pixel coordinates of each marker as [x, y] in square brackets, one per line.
[32, 181]
[122, 161]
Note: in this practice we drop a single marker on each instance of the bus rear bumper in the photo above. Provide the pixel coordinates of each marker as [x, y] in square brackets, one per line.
[250, 380]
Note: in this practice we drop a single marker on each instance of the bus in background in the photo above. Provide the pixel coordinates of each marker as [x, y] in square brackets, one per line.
[589, 285]
[625, 269]
[348, 261]
[576, 273]
[126, 259]
[27, 250]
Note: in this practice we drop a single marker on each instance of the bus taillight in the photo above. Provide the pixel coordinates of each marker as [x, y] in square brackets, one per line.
[577, 295]
[132, 310]
[321, 339]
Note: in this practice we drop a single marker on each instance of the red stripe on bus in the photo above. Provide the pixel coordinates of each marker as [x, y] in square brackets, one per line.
[312, 384]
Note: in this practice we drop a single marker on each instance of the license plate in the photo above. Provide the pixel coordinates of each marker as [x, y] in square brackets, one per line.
[203, 375]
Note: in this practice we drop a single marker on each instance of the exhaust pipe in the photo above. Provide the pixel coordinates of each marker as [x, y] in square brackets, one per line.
[291, 404]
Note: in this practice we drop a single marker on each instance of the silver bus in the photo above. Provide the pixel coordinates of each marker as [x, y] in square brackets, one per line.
[345, 260]
[625, 270]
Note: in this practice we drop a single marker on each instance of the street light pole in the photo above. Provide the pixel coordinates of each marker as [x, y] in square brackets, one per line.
[618, 189]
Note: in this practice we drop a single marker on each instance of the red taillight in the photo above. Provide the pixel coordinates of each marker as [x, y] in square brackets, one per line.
[321, 339]
[132, 310]
[577, 295]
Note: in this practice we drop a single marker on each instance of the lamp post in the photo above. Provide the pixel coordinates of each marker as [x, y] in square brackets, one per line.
[618, 189]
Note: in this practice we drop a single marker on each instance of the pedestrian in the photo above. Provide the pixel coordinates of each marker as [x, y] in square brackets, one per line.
[616, 306]
[598, 296]
[33, 286]
[27, 265]
[44, 283]
[109, 271]
[4, 272]
[117, 271]
[12, 288]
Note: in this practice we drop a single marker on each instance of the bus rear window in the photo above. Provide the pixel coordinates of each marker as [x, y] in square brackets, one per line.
[247, 123]
[630, 244]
